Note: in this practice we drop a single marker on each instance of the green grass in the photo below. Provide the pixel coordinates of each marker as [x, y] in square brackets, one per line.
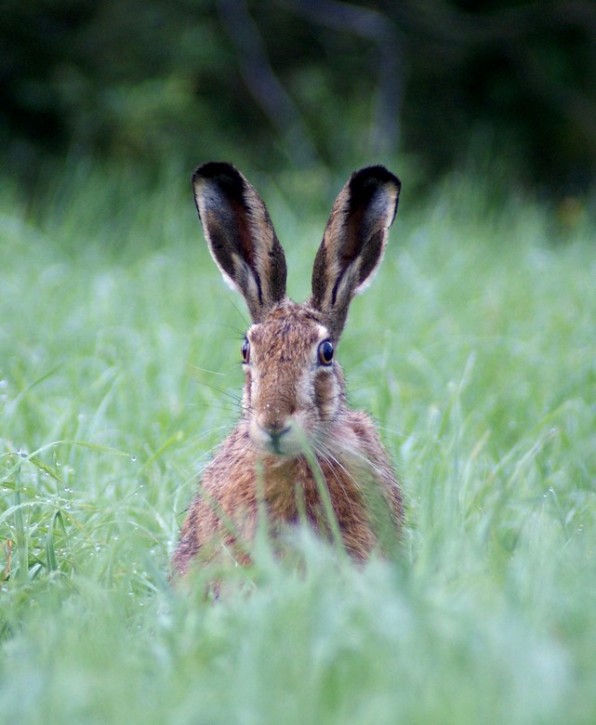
[475, 350]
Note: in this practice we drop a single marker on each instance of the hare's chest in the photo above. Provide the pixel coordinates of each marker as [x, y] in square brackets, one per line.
[306, 489]
[288, 489]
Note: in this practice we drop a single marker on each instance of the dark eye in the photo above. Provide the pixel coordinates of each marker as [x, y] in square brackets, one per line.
[246, 351]
[326, 352]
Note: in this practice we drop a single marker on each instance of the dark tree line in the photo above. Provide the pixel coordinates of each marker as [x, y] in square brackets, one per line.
[302, 82]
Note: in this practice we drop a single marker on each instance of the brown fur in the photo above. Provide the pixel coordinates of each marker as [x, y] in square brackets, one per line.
[296, 431]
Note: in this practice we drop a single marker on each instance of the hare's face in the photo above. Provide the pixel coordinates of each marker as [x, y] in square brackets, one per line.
[294, 386]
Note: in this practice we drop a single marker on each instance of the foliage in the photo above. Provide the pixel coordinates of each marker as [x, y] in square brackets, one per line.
[296, 82]
[474, 348]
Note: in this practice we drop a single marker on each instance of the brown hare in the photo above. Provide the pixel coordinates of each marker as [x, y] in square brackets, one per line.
[298, 454]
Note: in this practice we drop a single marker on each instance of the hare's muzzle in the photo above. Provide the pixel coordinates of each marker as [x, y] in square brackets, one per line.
[277, 437]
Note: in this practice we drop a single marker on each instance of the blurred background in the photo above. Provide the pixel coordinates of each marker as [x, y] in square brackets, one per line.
[303, 84]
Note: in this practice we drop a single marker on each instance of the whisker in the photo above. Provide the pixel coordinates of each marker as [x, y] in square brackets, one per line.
[336, 467]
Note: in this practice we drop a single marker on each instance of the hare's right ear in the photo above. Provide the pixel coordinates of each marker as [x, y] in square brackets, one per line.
[240, 236]
[353, 243]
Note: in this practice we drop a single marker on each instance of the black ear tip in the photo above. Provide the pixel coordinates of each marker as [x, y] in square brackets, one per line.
[366, 183]
[221, 173]
[214, 168]
[372, 176]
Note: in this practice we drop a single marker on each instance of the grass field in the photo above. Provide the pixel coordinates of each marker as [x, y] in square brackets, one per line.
[475, 350]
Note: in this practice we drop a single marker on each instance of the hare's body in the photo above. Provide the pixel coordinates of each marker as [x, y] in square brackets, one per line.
[298, 447]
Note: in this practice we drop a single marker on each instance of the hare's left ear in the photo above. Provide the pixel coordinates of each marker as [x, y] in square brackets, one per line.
[353, 243]
[240, 236]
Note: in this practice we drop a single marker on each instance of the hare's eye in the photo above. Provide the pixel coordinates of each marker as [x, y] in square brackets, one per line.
[326, 352]
[246, 351]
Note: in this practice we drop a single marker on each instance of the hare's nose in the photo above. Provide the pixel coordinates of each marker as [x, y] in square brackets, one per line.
[272, 432]
[275, 428]
[274, 419]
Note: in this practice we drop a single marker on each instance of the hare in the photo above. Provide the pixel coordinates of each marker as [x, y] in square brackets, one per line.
[298, 454]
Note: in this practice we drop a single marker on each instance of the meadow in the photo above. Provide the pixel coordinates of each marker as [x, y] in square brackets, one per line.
[474, 349]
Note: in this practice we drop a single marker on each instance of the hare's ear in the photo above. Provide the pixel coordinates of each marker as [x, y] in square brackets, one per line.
[240, 236]
[353, 243]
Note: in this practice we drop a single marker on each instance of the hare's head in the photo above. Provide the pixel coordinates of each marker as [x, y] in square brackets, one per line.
[294, 387]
